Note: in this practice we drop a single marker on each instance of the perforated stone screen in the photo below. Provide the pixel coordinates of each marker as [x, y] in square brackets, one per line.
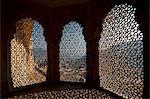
[121, 53]
[28, 53]
[72, 53]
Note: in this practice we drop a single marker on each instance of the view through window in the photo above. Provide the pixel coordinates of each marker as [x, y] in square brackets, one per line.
[28, 53]
[121, 53]
[72, 53]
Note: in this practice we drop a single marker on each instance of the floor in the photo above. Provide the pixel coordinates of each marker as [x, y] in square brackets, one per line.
[64, 92]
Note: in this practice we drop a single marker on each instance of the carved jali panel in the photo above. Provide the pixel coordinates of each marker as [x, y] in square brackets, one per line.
[72, 53]
[28, 53]
[121, 53]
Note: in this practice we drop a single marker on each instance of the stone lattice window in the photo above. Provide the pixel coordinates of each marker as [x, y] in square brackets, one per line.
[72, 53]
[28, 53]
[121, 53]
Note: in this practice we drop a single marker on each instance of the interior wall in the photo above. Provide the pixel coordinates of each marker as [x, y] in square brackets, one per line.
[52, 19]
[11, 13]
[0, 50]
[63, 15]
[90, 15]
[101, 10]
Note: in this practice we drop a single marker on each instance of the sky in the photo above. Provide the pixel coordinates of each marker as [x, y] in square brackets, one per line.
[38, 37]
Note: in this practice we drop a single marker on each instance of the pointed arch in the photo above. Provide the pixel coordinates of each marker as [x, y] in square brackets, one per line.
[72, 53]
[121, 53]
[28, 53]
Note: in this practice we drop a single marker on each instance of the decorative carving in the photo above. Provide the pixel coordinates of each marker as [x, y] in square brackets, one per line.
[72, 53]
[24, 67]
[121, 53]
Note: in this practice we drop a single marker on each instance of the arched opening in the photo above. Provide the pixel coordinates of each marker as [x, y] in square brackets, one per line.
[28, 53]
[72, 53]
[121, 53]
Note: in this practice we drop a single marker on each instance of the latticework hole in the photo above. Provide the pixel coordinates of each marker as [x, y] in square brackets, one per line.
[28, 53]
[121, 53]
[72, 53]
